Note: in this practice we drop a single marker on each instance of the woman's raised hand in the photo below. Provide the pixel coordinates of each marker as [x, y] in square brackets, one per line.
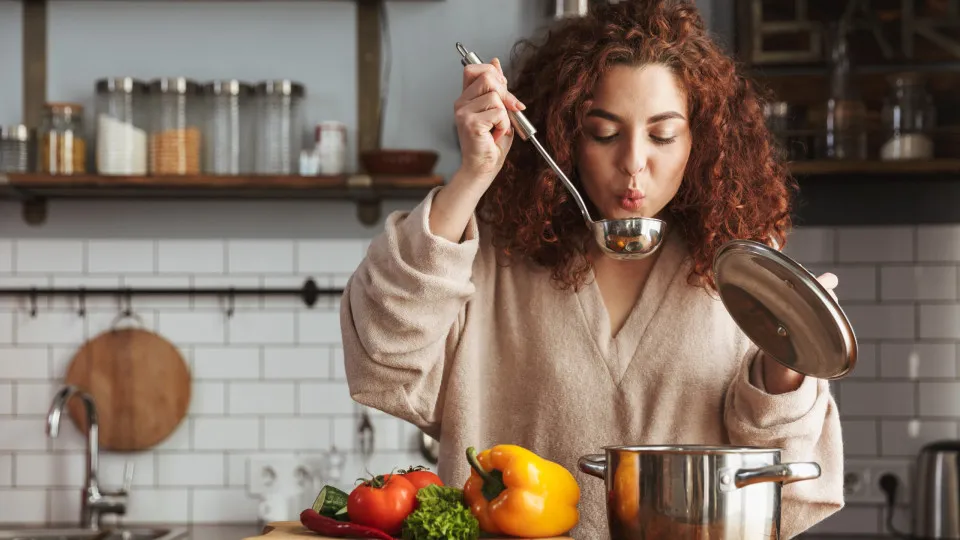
[483, 124]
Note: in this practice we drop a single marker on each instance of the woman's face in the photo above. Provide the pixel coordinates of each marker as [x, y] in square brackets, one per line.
[636, 142]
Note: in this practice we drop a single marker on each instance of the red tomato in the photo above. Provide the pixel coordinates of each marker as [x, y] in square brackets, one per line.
[383, 503]
[422, 478]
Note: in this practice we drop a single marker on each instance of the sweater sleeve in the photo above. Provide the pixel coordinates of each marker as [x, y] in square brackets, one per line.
[805, 425]
[400, 316]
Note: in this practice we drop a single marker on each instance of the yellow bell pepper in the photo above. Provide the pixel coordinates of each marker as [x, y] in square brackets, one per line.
[513, 491]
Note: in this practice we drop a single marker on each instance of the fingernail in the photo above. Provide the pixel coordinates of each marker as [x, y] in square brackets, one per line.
[521, 106]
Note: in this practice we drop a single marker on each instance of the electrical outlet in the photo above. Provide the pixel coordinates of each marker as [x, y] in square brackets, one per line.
[856, 483]
[902, 471]
[308, 476]
[862, 480]
[269, 476]
[309, 471]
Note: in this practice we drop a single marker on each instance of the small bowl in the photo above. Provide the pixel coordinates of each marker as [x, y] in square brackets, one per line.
[408, 162]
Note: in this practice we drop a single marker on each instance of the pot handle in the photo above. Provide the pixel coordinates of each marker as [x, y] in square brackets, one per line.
[594, 465]
[785, 473]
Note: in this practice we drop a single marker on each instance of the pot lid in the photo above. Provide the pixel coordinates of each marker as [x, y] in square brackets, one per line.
[784, 310]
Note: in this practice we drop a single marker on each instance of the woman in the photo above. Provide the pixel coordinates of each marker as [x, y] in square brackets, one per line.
[487, 315]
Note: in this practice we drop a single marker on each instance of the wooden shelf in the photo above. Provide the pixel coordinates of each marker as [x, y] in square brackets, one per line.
[851, 193]
[34, 190]
[832, 167]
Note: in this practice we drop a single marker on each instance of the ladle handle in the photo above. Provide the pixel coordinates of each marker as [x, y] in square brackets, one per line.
[519, 120]
[527, 132]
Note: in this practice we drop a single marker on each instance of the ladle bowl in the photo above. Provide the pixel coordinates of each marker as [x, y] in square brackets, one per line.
[624, 239]
[628, 239]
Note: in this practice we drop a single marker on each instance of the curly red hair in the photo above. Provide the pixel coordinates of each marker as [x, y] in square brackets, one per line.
[735, 185]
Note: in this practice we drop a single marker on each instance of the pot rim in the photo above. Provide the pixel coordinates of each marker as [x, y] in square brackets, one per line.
[691, 449]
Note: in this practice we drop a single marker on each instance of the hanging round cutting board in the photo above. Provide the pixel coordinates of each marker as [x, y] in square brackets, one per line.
[140, 383]
[784, 310]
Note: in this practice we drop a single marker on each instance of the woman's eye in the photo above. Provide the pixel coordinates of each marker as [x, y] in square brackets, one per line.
[663, 140]
[604, 138]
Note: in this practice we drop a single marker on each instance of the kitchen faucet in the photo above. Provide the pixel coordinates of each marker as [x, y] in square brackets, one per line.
[94, 501]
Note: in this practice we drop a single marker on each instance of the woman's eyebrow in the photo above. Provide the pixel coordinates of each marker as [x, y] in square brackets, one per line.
[664, 116]
[607, 115]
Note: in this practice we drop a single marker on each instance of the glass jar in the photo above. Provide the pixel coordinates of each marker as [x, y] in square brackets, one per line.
[228, 135]
[279, 127]
[845, 133]
[175, 126]
[121, 126]
[63, 148]
[908, 117]
[331, 147]
[16, 149]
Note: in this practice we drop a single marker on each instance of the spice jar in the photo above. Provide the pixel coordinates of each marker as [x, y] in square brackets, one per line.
[279, 126]
[63, 149]
[121, 126]
[175, 126]
[228, 135]
[908, 116]
[16, 146]
[331, 147]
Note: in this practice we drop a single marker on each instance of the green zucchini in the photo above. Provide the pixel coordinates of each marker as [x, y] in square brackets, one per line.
[330, 501]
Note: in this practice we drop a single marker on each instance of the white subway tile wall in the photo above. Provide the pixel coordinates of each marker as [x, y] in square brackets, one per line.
[899, 286]
[268, 381]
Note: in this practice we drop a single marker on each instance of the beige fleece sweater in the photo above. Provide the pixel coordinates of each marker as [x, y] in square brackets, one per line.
[476, 354]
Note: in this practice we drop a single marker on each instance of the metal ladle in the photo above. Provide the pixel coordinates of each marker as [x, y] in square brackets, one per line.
[626, 239]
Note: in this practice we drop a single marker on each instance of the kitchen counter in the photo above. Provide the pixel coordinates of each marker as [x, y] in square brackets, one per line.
[245, 530]
[219, 531]
[241, 531]
[838, 536]
[238, 532]
[212, 531]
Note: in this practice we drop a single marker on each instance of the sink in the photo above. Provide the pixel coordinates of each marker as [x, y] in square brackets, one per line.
[107, 533]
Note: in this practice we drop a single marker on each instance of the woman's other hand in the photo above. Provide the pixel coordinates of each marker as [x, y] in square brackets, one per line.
[829, 282]
[779, 379]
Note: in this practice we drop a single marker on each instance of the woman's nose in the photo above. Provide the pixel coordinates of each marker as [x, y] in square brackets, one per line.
[634, 157]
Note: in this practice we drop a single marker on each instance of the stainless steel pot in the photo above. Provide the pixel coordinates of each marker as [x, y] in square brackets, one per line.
[694, 492]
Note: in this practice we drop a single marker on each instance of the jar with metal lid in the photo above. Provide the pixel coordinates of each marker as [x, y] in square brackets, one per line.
[16, 149]
[279, 127]
[908, 118]
[63, 148]
[228, 127]
[121, 126]
[175, 127]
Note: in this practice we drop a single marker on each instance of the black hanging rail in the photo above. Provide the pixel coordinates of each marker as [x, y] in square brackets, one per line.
[309, 293]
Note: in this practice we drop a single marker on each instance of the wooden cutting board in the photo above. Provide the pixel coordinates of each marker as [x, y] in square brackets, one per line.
[280, 530]
[140, 383]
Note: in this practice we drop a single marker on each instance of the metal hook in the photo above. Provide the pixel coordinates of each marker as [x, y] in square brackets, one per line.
[82, 300]
[128, 303]
[127, 311]
[230, 303]
[366, 438]
[33, 302]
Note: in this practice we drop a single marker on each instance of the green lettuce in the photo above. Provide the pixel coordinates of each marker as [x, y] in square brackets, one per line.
[441, 515]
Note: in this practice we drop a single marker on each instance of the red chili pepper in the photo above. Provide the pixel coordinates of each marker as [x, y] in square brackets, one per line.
[340, 529]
